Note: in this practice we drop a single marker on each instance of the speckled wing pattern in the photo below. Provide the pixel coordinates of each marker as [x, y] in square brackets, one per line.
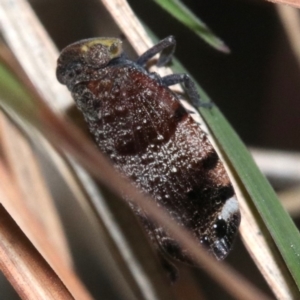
[141, 125]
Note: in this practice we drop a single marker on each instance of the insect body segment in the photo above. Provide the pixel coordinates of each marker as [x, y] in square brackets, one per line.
[142, 126]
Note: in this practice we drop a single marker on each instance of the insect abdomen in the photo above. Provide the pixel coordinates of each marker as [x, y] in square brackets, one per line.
[141, 125]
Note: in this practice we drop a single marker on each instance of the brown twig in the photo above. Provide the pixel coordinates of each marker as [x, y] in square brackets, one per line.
[22, 264]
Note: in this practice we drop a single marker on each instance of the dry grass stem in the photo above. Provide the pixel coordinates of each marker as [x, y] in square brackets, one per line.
[281, 165]
[127, 240]
[34, 50]
[129, 24]
[290, 19]
[134, 31]
[265, 254]
[10, 197]
[294, 3]
[290, 200]
[24, 267]
[36, 198]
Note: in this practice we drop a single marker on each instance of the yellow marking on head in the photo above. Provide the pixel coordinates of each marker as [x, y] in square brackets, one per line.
[84, 48]
[113, 45]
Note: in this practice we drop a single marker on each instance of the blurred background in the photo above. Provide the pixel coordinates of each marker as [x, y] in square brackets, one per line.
[256, 86]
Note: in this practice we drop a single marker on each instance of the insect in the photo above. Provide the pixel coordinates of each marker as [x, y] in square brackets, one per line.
[140, 124]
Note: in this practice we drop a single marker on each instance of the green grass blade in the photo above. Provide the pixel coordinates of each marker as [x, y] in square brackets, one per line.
[277, 220]
[11, 91]
[179, 11]
[281, 227]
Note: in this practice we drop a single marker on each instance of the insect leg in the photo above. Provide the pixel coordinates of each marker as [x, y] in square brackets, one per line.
[165, 46]
[189, 87]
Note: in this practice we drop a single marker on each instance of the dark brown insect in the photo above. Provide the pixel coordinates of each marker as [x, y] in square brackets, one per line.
[141, 125]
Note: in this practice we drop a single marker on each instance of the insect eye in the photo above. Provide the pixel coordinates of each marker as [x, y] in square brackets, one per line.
[113, 49]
